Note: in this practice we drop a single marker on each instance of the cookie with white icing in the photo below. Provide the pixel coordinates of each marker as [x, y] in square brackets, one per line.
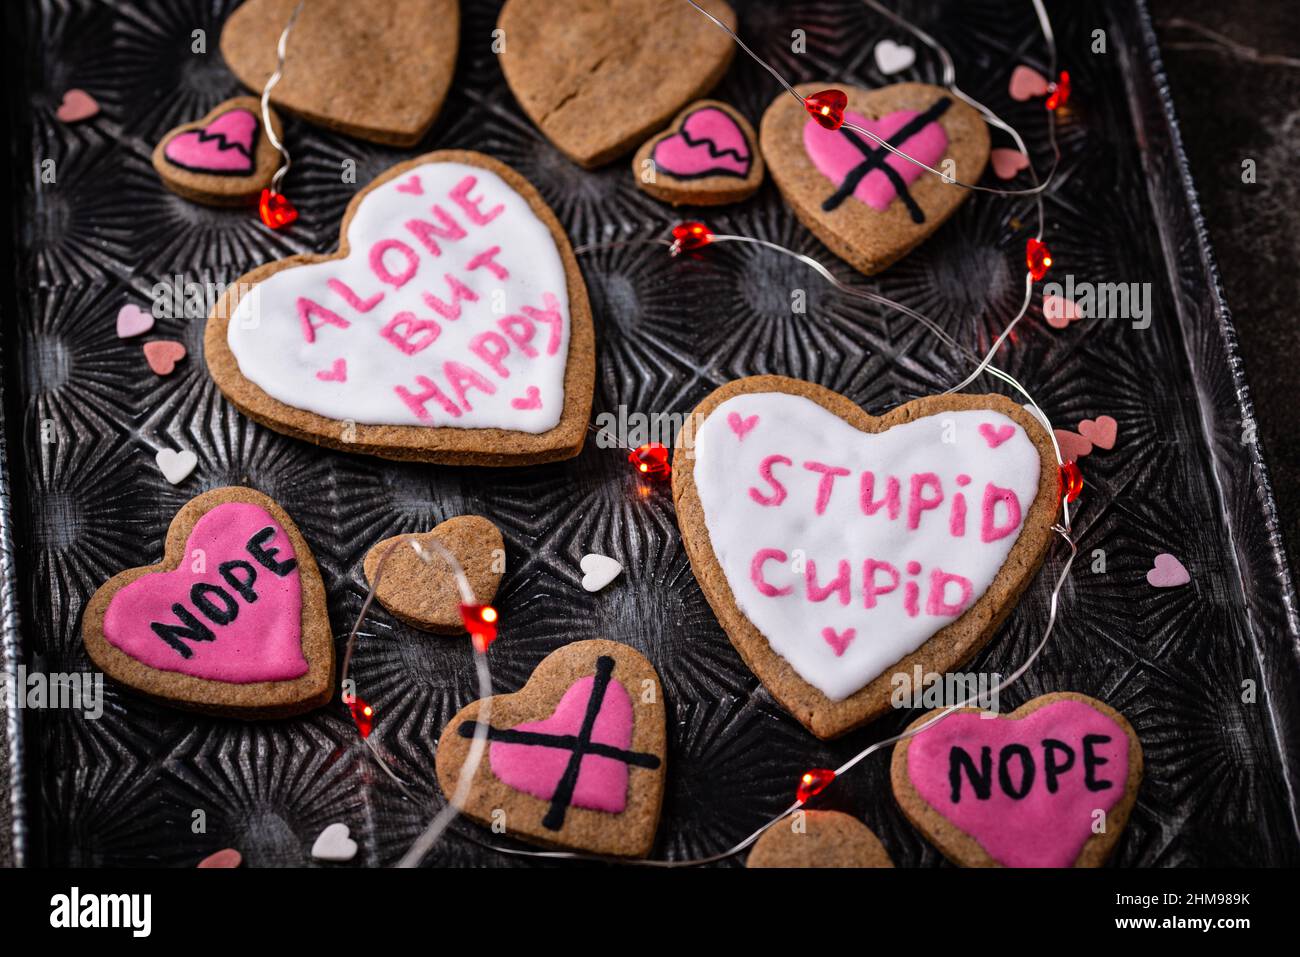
[839, 549]
[452, 325]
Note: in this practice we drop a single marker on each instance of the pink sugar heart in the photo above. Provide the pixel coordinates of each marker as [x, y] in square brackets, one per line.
[225, 858]
[839, 640]
[223, 147]
[163, 354]
[602, 781]
[338, 372]
[1073, 445]
[531, 399]
[77, 105]
[1026, 789]
[1101, 431]
[995, 436]
[741, 426]
[710, 142]
[411, 185]
[199, 619]
[1026, 83]
[133, 321]
[1058, 311]
[1167, 572]
[1007, 163]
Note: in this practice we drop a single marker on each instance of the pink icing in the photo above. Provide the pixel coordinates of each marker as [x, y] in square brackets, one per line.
[709, 143]
[835, 155]
[232, 610]
[995, 436]
[1074, 774]
[224, 146]
[536, 770]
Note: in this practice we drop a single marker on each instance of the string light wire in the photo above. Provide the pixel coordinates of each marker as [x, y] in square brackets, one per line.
[280, 49]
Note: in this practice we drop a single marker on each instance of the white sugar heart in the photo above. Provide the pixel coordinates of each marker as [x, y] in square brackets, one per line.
[599, 571]
[334, 844]
[893, 57]
[176, 466]
[451, 303]
[847, 550]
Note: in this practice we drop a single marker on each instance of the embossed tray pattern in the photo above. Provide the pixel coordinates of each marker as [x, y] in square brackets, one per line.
[85, 417]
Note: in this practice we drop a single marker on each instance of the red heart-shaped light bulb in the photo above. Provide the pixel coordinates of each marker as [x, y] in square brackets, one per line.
[827, 107]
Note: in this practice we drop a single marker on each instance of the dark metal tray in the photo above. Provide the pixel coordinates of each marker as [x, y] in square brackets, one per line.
[84, 498]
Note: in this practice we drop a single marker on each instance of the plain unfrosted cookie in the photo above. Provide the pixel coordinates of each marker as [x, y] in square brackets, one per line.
[819, 839]
[223, 159]
[424, 594]
[871, 207]
[599, 76]
[379, 71]
[452, 325]
[839, 549]
[1049, 785]
[708, 156]
[232, 621]
[576, 758]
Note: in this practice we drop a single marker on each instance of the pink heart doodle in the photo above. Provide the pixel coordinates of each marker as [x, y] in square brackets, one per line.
[1026, 83]
[531, 399]
[77, 105]
[133, 321]
[995, 436]
[1073, 446]
[411, 185]
[602, 781]
[224, 147]
[1167, 572]
[741, 426]
[1101, 431]
[1007, 163]
[1059, 312]
[709, 143]
[338, 372]
[1023, 815]
[237, 620]
[839, 641]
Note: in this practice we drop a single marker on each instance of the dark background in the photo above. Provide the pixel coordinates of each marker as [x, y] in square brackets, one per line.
[1231, 110]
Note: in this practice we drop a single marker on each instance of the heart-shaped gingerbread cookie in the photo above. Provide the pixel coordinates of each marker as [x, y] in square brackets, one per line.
[1049, 785]
[869, 206]
[452, 325]
[838, 548]
[599, 76]
[377, 71]
[576, 758]
[424, 594]
[223, 159]
[819, 839]
[232, 621]
[707, 157]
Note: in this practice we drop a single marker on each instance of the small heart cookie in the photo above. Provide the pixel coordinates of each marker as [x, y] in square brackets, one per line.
[223, 159]
[598, 571]
[575, 759]
[870, 206]
[840, 549]
[1167, 572]
[176, 466]
[599, 77]
[424, 594]
[223, 859]
[376, 71]
[232, 621]
[334, 844]
[708, 156]
[1049, 785]
[893, 57]
[133, 321]
[163, 354]
[77, 105]
[819, 839]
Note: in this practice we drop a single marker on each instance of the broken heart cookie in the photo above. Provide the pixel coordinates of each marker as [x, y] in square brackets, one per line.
[819, 839]
[232, 621]
[575, 759]
[870, 206]
[599, 76]
[839, 548]
[424, 593]
[376, 71]
[224, 159]
[707, 157]
[1049, 785]
[452, 325]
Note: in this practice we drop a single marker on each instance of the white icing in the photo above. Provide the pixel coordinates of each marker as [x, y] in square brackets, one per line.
[727, 466]
[267, 338]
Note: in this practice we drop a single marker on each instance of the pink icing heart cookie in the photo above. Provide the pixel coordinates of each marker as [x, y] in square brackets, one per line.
[708, 156]
[1049, 785]
[454, 292]
[222, 159]
[232, 621]
[576, 758]
[871, 206]
[839, 549]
